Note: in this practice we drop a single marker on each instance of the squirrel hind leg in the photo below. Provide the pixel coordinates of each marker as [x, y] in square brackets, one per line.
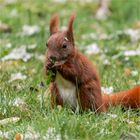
[55, 97]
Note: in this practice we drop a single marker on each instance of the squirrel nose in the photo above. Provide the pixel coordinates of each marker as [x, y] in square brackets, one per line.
[53, 58]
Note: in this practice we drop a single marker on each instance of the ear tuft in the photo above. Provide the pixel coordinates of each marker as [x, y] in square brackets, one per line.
[70, 29]
[54, 24]
[71, 20]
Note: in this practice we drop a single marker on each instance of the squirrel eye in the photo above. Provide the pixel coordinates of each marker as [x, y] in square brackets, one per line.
[64, 46]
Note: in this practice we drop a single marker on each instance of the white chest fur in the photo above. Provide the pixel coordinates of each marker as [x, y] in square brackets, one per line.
[67, 91]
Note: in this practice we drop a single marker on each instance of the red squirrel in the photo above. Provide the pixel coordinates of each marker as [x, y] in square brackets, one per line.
[76, 82]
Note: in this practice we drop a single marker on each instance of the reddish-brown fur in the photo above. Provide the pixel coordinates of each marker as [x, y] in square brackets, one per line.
[75, 67]
[129, 98]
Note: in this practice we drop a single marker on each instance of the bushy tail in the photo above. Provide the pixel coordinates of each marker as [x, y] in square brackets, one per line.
[127, 99]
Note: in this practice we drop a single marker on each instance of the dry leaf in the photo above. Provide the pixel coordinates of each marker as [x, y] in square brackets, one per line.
[92, 49]
[103, 10]
[106, 62]
[8, 45]
[18, 53]
[104, 131]
[18, 136]
[39, 57]
[133, 33]
[107, 90]
[137, 25]
[10, 1]
[31, 134]
[4, 27]
[127, 71]
[112, 115]
[134, 73]
[5, 135]
[51, 134]
[32, 46]
[132, 53]
[14, 13]
[9, 120]
[29, 30]
[17, 76]
[59, 1]
[20, 103]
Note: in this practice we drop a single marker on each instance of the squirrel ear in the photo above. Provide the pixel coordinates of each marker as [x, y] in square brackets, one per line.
[54, 24]
[70, 30]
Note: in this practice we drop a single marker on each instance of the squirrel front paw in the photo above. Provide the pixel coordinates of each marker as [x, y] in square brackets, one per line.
[49, 65]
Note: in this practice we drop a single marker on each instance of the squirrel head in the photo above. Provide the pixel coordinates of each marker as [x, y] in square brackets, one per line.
[60, 45]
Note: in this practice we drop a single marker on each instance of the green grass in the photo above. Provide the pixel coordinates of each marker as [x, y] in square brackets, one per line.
[37, 113]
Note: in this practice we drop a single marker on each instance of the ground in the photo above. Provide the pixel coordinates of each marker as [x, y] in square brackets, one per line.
[24, 86]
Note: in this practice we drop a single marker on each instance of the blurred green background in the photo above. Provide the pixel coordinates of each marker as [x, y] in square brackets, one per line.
[25, 24]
